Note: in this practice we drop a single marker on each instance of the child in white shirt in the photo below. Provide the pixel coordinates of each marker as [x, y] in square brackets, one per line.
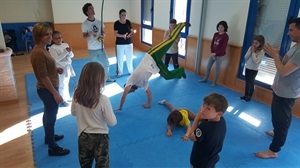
[62, 54]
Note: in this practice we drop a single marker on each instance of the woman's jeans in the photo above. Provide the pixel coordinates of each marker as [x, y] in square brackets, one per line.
[50, 112]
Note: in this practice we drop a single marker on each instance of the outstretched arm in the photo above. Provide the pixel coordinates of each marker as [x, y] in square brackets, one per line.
[185, 137]
[125, 92]
[149, 97]
[169, 131]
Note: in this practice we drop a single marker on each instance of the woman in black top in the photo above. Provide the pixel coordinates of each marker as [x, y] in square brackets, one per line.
[123, 32]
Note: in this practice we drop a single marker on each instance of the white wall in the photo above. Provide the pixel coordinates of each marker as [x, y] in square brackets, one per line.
[134, 12]
[234, 12]
[195, 16]
[70, 11]
[16, 11]
[161, 14]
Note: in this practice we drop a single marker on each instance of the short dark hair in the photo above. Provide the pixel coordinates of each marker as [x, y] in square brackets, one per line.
[121, 11]
[173, 21]
[174, 118]
[296, 21]
[132, 86]
[55, 32]
[85, 8]
[218, 101]
[224, 24]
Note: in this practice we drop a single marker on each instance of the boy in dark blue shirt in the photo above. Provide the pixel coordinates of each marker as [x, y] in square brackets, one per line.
[208, 132]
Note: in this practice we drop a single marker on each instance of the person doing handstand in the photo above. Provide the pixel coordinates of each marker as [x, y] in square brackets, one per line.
[151, 64]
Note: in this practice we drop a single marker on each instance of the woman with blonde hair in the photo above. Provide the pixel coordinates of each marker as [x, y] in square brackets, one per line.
[46, 73]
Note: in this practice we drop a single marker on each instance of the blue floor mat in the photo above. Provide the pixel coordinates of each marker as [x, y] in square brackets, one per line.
[139, 140]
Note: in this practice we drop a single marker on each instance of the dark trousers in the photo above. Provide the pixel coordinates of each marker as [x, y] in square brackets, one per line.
[50, 112]
[174, 57]
[249, 82]
[281, 109]
[93, 146]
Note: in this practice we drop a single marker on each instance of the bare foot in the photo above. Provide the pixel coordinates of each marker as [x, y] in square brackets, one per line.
[270, 133]
[266, 154]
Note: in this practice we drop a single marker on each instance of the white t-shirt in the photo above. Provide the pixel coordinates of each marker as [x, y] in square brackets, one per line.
[289, 86]
[253, 60]
[140, 76]
[174, 47]
[94, 120]
[63, 58]
[95, 28]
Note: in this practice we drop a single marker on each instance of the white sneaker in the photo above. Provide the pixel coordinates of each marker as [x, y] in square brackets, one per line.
[65, 104]
[202, 81]
[162, 101]
[110, 80]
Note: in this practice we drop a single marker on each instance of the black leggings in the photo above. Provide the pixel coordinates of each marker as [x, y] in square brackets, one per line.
[174, 57]
[249, 85]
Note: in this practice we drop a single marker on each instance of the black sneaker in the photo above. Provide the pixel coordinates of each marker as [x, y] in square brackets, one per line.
[247, 99]
[184, 76]
[58, 151]
[242, 98]
[56, 138]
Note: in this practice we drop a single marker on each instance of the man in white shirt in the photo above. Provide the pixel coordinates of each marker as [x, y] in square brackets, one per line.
[92, 32]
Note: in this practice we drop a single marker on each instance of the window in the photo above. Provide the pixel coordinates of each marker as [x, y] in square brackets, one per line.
[270, 19]
[147, 21]
[180, 10]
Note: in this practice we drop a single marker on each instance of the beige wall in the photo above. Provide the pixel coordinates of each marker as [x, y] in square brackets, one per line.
[70, 11]
[16, 11]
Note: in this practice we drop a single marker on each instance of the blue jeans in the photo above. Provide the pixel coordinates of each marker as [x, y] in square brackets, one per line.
[50, 112]
[210, 63]
[281, 119]
[100, 57]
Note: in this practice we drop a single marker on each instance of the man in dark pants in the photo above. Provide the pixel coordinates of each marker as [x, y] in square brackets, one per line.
[286, 89]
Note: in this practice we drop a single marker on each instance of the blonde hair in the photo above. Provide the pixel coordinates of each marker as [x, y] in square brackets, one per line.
[39, 31]
[90, 85]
